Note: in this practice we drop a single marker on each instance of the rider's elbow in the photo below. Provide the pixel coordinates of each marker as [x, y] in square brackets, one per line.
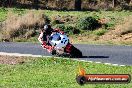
[39, 39]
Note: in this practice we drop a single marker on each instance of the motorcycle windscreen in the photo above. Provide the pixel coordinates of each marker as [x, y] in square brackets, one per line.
[59, 41]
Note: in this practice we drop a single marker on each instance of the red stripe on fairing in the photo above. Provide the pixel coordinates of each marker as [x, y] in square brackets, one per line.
[68, 48]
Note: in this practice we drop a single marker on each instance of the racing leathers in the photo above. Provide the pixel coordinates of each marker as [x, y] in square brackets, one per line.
[44, 39]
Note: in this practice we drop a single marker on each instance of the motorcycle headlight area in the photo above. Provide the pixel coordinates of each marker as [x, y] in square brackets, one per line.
[59, 40]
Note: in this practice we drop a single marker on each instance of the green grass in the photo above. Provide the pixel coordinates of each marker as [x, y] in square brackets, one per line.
[99, 32]
[114, 17]
[56, 73]
[4, 12]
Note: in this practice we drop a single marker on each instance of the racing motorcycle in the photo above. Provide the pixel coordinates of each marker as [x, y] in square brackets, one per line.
[62, 46]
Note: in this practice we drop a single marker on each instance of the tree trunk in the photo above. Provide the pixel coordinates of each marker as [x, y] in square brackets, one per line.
[113, 3]
[36, 4]
[78, 4]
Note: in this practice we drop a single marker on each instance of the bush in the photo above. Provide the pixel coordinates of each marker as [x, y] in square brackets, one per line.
[67, 19]
[108, 25]
[76, 31]
[54, 22]
[100, 32]
[87, 23]
[67, 29]
[61, 26]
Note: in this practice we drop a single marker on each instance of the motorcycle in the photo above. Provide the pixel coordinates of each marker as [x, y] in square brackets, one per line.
[62, 46]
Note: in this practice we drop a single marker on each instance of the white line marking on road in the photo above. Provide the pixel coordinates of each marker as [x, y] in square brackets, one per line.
[18, 54]
[90, 61]
[115, 64]
[30, 55]
[79, 60]
[122, 65]
[107, 63]
[98, 62]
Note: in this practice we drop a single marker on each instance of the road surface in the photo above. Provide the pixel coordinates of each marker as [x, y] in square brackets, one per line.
[121, 55]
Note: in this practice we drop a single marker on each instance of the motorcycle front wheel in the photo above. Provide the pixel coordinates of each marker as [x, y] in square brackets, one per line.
[75, 53]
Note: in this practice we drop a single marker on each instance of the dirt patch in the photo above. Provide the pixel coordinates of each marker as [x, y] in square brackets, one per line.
[122, 32]
[122, 39]
[12, 60]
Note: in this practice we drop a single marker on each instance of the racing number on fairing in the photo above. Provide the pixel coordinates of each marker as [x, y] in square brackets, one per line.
[64, 40]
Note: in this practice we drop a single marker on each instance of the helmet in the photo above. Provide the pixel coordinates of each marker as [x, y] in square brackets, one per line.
[47, 28]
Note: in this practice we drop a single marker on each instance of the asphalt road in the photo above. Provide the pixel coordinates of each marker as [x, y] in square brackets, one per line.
[121, 55]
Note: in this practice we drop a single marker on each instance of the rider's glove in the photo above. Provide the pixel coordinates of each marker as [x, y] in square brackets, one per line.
[62, 32]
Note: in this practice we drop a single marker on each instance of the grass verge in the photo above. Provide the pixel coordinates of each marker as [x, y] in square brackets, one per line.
[68, 20]
[55, 73]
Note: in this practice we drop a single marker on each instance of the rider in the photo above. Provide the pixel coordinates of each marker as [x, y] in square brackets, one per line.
[44, 36]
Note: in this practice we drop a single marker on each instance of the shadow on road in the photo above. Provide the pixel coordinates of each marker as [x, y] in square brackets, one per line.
[95, 57]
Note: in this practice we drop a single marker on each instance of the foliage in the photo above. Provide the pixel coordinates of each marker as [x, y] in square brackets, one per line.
[3, 12]
[68, 18]
[54, 22]
[69, 4]
[100, 32]
[67, 29]
[87, 23]
[108, 25]
[60, 19]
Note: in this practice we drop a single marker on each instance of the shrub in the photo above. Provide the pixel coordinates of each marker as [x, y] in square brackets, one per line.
[87, 23]
[61, 26]
[76, 31]
[67, 29]
[54, 22]
[67, 19]
[100, 32]
[108, 25]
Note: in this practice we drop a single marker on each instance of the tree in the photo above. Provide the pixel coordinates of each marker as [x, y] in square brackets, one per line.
[113, 3]
[36, 4]
[78, 4]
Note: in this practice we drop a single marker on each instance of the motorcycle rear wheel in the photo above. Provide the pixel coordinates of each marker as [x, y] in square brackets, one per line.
[76, 53]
